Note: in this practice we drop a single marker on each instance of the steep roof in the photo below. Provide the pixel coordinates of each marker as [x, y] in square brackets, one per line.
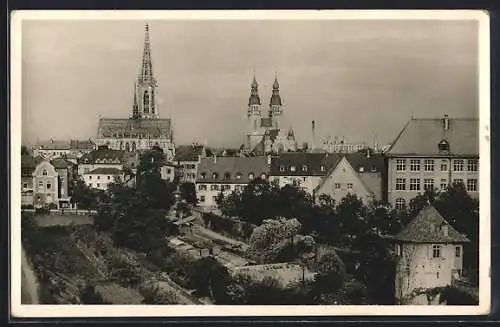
[154, 128]
[59, 163]
[104, 171]
[28, 164]
[426, 228]
[372, 163]
[82, 145]
[53, 145]
[227, 169]
[313, 162]
[188, 152]
[102, 153]
[421, 137]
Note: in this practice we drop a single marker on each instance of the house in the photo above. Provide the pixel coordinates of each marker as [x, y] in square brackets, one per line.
[429, 254]
[28, 165]
[304, 169]
[360, 173]
[432, 154]
[188, 158]
[227, 175]
[63, 169]
[100, 178]
[45, 184]
[52, 149]
[170, 171]
[102, 157]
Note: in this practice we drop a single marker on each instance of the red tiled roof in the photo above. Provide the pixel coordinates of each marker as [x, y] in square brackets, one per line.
[426, 227]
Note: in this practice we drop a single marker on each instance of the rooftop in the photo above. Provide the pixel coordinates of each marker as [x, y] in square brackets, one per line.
[304, 163]
[430, 227]
[235, 170]
[104, 171]
[422, 136]
[145, 128]
[188, 152]
[103, 155]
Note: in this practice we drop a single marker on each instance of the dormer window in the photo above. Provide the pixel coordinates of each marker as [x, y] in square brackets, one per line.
[304, 168]
[202, 175]
[238, 176]
[292, 168]
[444, 146]
[322, 168]
[374, 169]
[263, 176]
[215, 176]
[361, 169]
[282, 168]
[227, 176]
[251, 176]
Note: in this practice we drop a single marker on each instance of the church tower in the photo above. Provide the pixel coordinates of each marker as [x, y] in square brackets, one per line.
[254, 107]
[275, 104]
[145, 106]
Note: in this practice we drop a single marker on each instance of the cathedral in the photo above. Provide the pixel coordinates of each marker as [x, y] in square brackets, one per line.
[144, 128]
[265, 135]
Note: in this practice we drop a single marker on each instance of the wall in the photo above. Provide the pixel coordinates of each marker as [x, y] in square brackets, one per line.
[210, 195]
[416, 268]
[141, 144]
[50, 153]
[189, 174]
[437, 175]
[102, 179]
[343, 175]
[63, 183]
[307, 183]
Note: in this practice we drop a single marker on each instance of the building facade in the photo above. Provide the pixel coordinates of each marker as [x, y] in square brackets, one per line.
[433, 154]
[100, 178]
[225, 175]
[429, 254]
[188, 157]
[103, 157]
[265, 134]
[45, 185]
[144, 129]
[303, 169]
[359, 173]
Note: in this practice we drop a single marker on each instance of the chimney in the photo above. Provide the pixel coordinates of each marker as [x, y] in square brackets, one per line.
[313, 136]
[446, 123]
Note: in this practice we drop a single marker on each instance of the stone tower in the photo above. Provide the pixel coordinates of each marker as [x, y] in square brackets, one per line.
[254, 112]
[145, 106]
[275, 104]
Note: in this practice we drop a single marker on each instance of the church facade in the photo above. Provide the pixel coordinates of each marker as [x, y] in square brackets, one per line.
[144, 128]
[265, 135]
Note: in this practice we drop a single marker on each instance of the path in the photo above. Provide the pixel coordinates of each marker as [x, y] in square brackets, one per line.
[214, 235]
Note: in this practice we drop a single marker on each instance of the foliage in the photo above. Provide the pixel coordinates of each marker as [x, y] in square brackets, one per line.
[84, 196]
[154, 295]
[330, 275]
[209, 278]
[89, 295]
[188, 192]
[24, 150]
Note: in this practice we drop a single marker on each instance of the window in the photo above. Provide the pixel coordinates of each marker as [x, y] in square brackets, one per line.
[98, 177]
[238, 176]
[202, 187]
[90, 176]
[214, 187]
[458, 165]
[458, 251]
[428, 184]
[169, 171]
[337, 186]
[400, 165]
[444, 184]
[250, 176]
[214, 198]
[304, 168]
[44, 173]
[400, 184]
[202, 198]
[40, 185]
[292, 168]
[361, 169]
[91, 185]
[263, 176]
[202, 175]
[109, 177]
[349, 186]
[458, 181]
[472, 185]
[414, 184]
[225, 187]
[415, 165]
[444, 146]
[444, 165]
[25, 185]
[472, 165]
[49, 186]
[227, 176]
[436, 251]
[215, 176]
[322, 168]
[98, 185]
[398, 249]
[282, 168]
[429, 165]
[400, 203]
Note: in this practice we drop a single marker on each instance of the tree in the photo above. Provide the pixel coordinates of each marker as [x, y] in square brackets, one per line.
[210, 278]
[330, 275]
[157, 296]
[24, 150]
[84, 196]
[352, 213]
[89, 295]
[188, 192]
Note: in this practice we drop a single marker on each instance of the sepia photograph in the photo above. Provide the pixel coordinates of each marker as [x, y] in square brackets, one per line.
[257, 163]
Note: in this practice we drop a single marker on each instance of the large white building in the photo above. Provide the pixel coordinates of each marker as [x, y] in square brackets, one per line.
[144, 129]
[432, 154]
[429, 254]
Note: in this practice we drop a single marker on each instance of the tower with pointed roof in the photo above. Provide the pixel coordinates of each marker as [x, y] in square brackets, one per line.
[254, 115]
[145, 106]
[275, 104]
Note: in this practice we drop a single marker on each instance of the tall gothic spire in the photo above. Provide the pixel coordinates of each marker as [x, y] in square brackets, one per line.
[146, 75]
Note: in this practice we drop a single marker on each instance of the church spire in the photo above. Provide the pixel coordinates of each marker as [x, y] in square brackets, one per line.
[146, 75]
[254, 98]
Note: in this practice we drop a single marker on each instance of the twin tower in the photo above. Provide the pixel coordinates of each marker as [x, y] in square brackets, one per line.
[256, 120]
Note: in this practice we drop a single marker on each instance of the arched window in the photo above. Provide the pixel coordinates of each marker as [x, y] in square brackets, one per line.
[444, 146]
[153, 102]
[400, 203]
[44, 172]
[145, 100]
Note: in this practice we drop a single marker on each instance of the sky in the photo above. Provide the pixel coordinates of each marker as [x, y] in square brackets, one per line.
[357, 79]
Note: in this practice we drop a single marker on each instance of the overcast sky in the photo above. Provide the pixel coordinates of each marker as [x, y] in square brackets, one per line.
[358, 79]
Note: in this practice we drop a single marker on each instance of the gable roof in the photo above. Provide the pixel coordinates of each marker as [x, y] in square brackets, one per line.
[188, 152]
[422, 136]
[425, 228]
[281, 165]
[373, 163]
[59, 163]
[155, 128]
[233, 166]
[102, 153]
[53, 145]
[82, 145]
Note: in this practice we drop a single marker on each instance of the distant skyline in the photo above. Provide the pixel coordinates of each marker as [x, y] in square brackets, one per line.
[358, 79]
